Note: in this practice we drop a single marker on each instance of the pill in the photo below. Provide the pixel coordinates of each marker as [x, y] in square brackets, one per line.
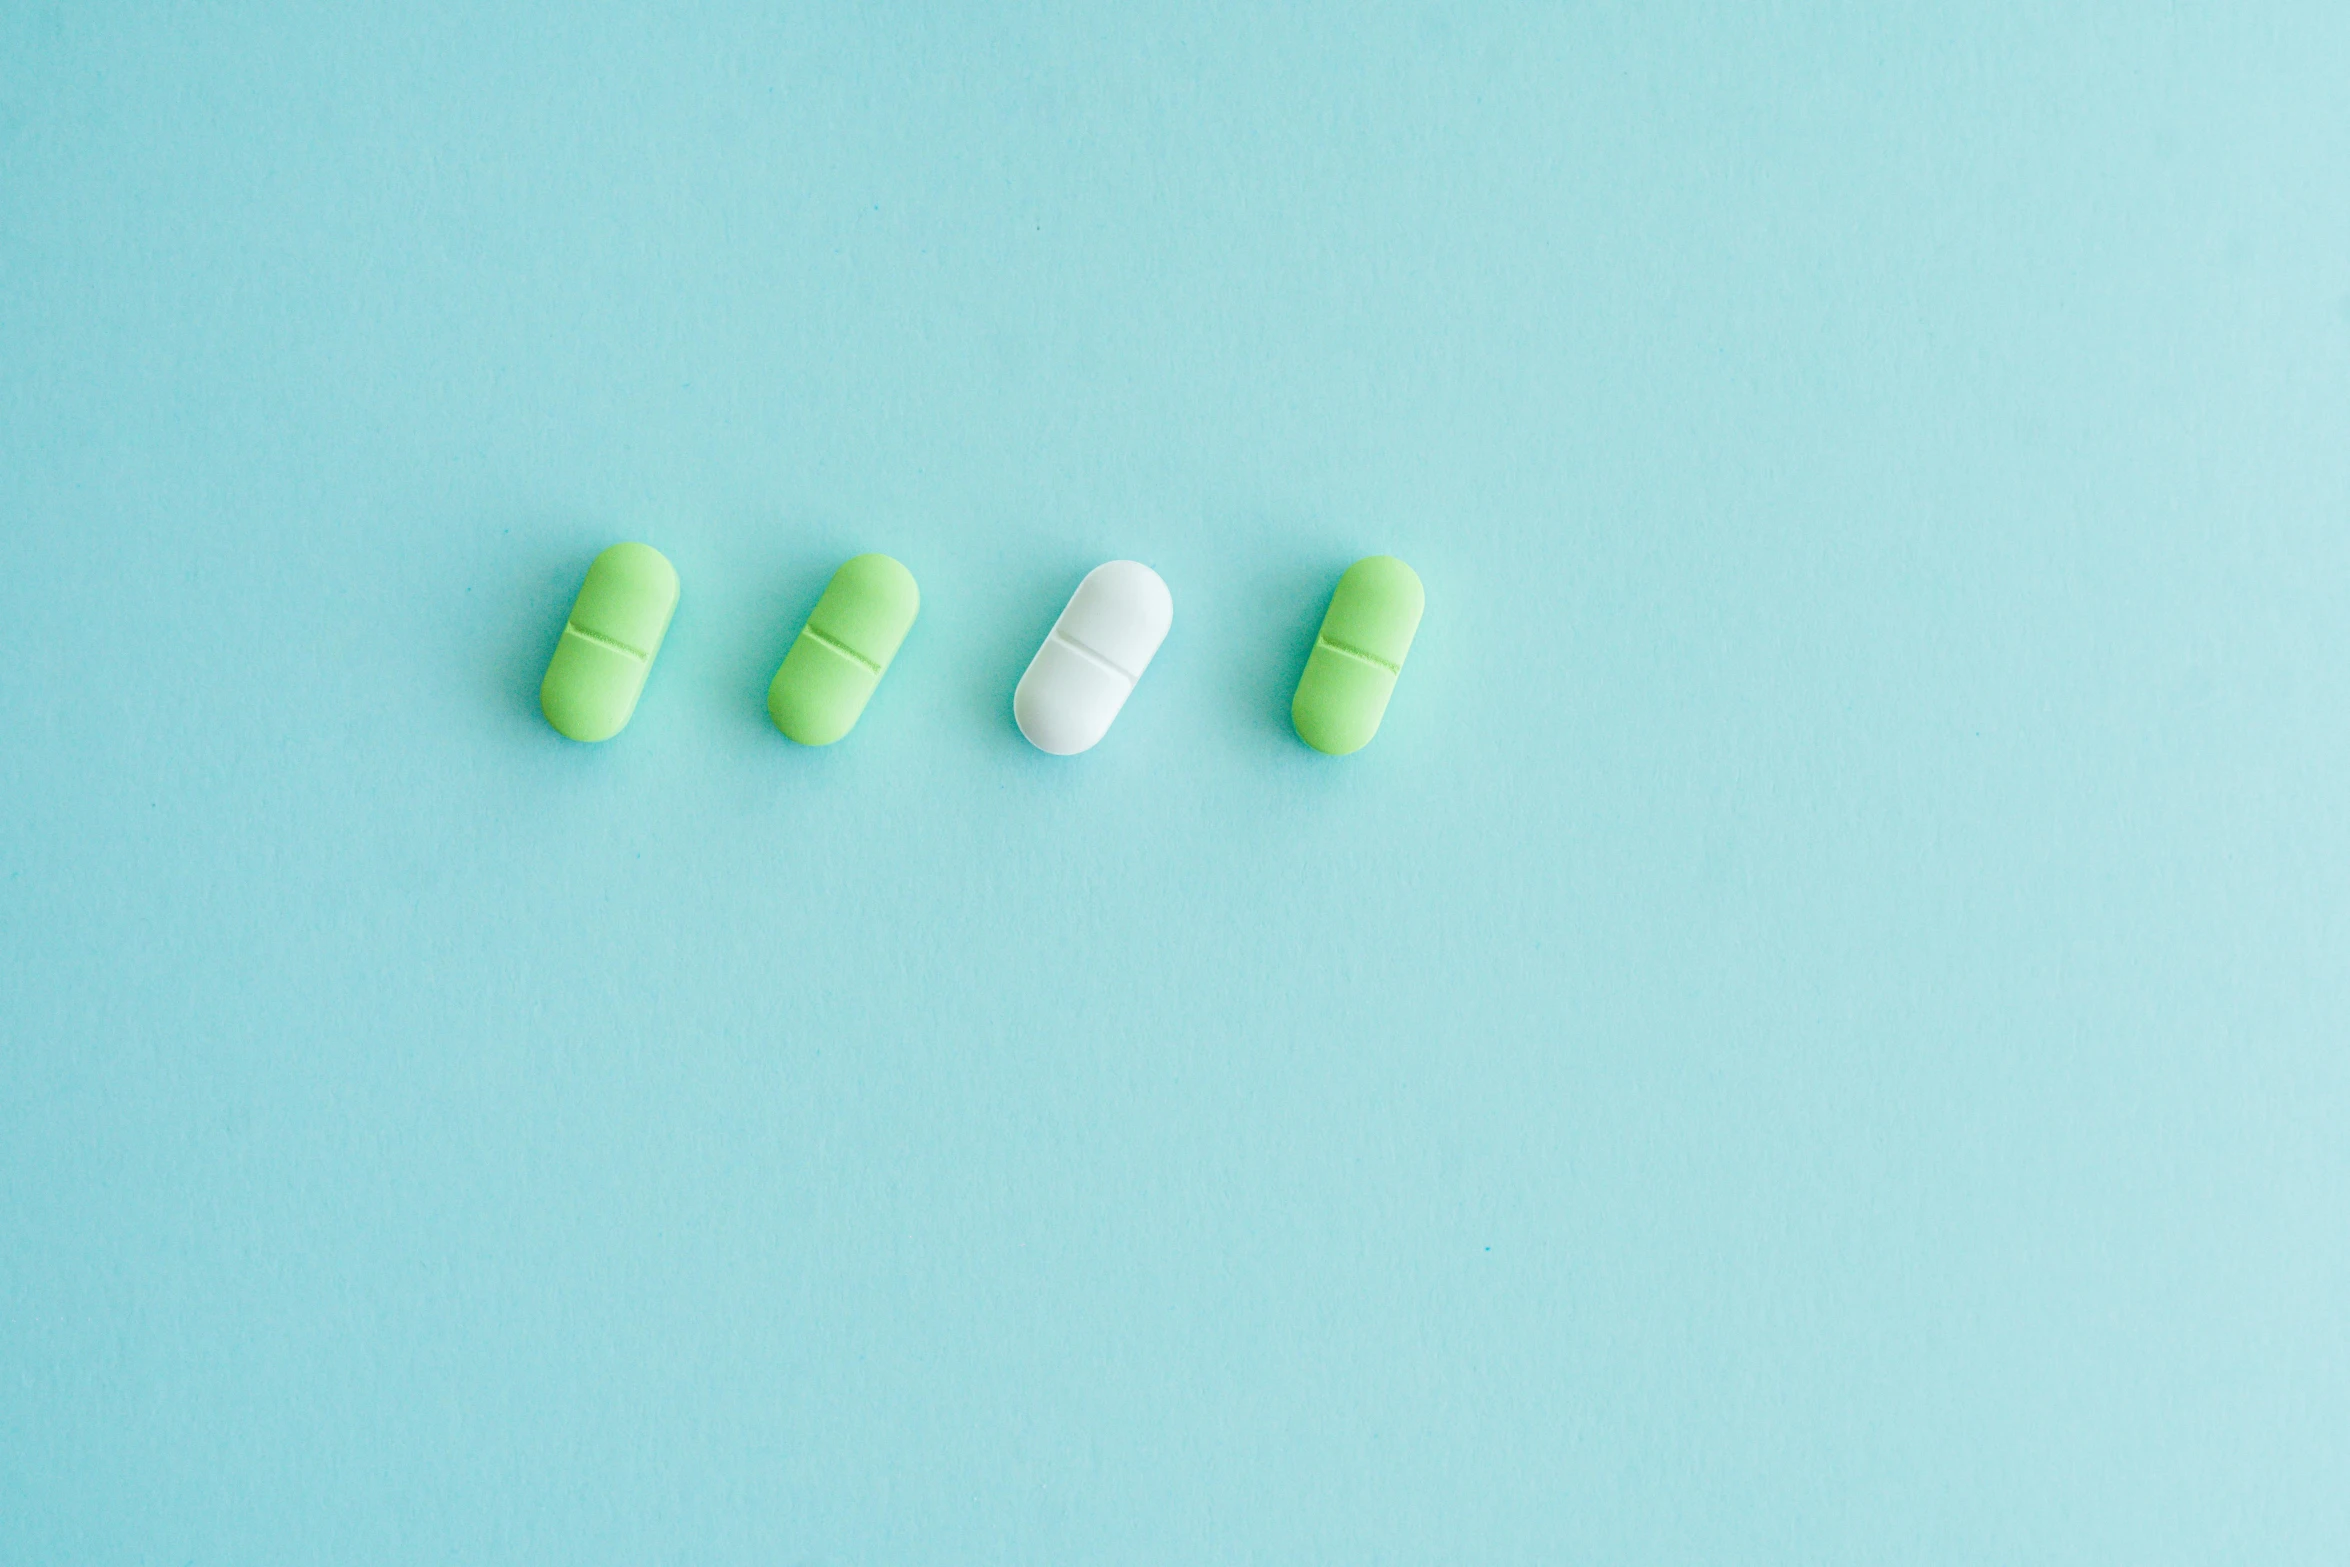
[1092, 657]
[607, 646]
[843, 651]
[1357, 655]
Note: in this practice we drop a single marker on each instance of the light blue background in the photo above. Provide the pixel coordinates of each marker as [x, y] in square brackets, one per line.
[1816, 1034]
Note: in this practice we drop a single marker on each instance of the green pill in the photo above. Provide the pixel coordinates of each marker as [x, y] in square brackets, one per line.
[1357, 655]
[842, 652]
[607, 649]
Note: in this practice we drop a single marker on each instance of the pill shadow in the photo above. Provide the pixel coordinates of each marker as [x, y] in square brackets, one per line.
[530, 616]
[791, 598]
[1002, 646]
[1284, 610]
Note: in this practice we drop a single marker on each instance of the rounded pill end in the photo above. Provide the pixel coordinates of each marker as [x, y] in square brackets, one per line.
[640, 567]
[1135, 589]
[819, 692]
[884, 576]
[1340, 700]
[807, 728]
[588, 722]
[1391, 579]
[1068, 698]
[591, 688]
[1328, 737]
[1051, 733]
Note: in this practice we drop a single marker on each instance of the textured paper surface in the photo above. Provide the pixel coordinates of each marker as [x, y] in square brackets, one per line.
[1815, 1033]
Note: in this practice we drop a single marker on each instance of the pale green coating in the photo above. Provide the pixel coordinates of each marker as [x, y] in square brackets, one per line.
[607, 647]
[1357, 655]
[841, 654]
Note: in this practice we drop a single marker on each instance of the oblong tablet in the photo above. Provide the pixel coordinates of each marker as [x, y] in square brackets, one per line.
[1357, 655]
[1092, 657]
[843, 651]
[607, 647]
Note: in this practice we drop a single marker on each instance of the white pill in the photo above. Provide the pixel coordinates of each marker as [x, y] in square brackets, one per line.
[1092, 657]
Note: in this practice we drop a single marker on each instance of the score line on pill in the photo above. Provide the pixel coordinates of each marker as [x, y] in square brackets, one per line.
[608, 644]
[1092, 658]
[1357, 655]
[841, 654]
